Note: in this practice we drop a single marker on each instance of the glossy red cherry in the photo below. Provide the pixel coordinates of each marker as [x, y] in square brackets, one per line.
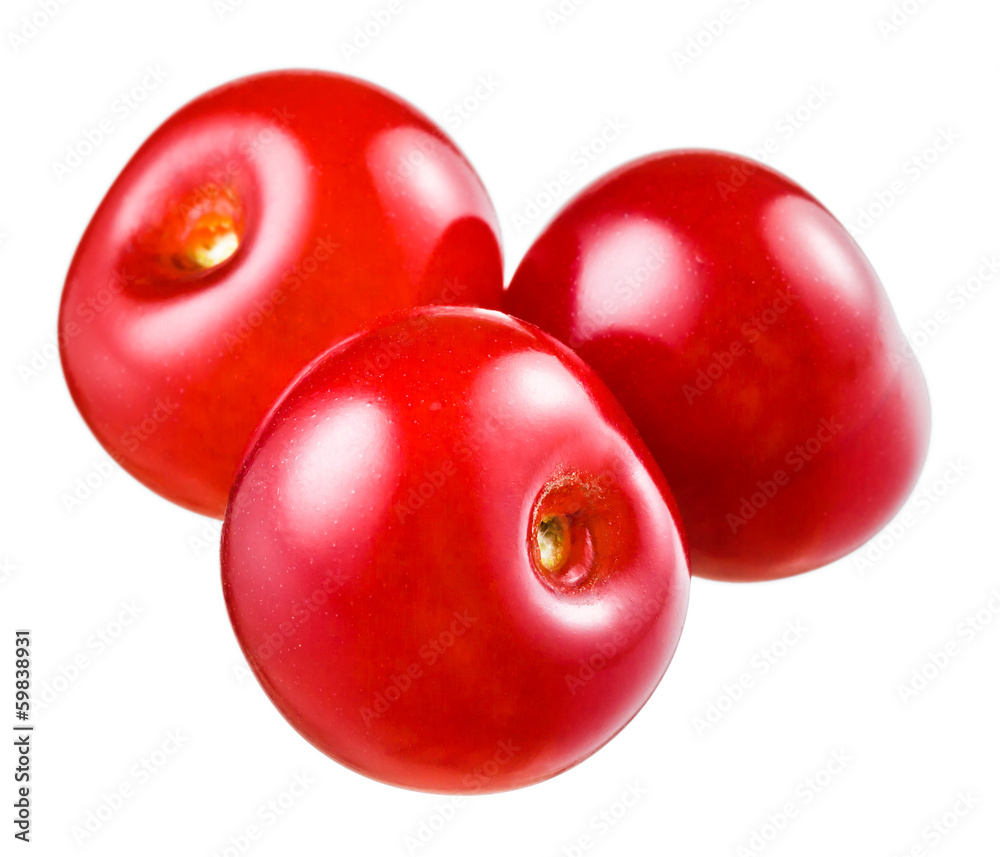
[449, 558]
[262, 223]
[752, 344]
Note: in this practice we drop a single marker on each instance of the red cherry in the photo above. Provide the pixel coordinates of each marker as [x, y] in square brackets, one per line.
[449, 558]
[752, 344]
[262, 223]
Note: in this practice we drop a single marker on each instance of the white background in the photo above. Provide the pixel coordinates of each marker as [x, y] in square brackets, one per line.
[176, 668]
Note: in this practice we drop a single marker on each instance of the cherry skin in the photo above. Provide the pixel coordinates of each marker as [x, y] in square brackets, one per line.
[752, 344]
[449, 559]
[259, 225]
